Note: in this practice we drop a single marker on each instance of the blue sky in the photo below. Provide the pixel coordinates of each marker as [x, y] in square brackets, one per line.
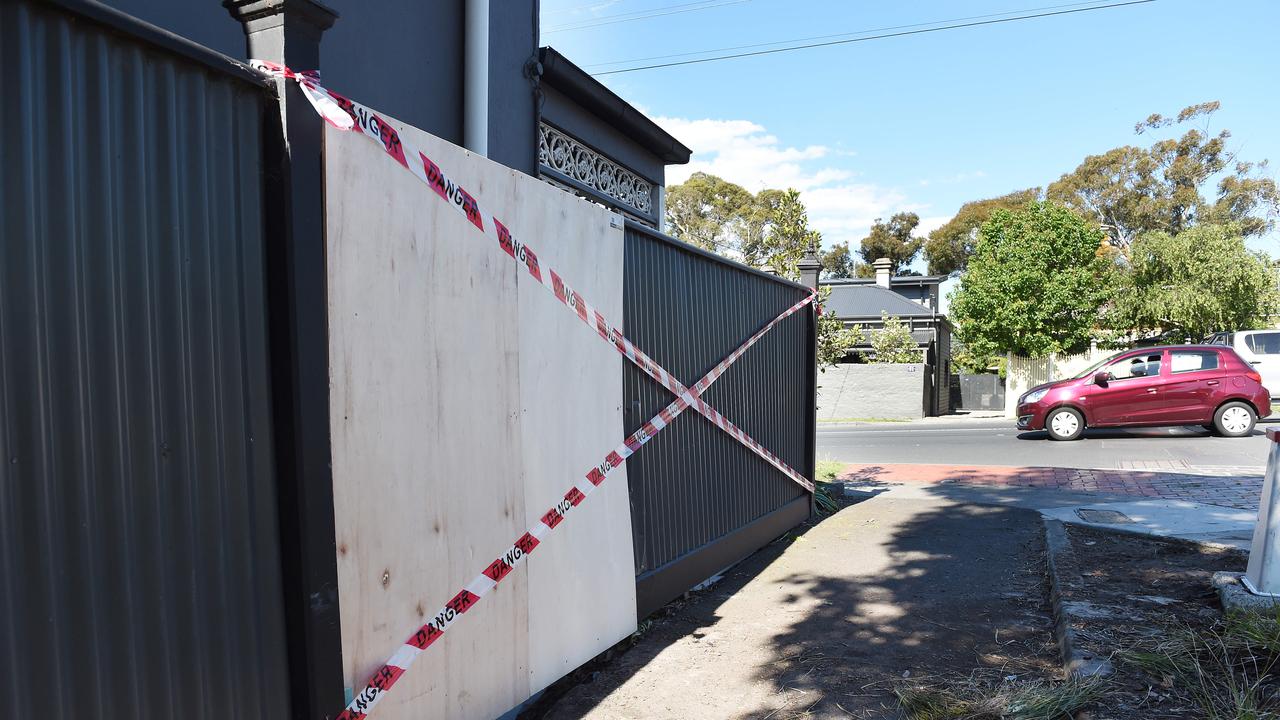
[928, 122]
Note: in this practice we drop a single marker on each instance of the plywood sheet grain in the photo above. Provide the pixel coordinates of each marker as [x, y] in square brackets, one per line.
[464, 403]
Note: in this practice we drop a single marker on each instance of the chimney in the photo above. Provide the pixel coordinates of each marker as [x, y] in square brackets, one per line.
[882, 266]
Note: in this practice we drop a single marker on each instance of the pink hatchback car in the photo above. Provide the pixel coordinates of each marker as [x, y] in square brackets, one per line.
[1207, 385]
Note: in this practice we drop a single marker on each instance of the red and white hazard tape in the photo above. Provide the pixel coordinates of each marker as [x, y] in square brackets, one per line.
[347, 115]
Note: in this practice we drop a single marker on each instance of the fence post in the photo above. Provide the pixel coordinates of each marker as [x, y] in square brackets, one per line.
[810, 267]
[288, 32]
[1262, 576]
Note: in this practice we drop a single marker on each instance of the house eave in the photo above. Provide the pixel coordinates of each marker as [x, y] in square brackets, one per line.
[576, 84]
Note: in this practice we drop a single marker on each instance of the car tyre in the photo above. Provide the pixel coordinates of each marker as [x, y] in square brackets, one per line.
[1234, 419]
[1064, 423]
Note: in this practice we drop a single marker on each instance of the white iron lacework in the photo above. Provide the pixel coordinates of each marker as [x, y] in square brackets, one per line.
[567, 156]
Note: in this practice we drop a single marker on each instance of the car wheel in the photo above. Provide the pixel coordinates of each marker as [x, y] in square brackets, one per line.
[1234, 419]
[1064, 424]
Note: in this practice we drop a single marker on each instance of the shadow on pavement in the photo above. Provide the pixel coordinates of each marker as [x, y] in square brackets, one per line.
[822, 622]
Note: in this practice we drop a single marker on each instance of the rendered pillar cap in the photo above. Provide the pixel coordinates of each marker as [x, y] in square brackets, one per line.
[258, 14]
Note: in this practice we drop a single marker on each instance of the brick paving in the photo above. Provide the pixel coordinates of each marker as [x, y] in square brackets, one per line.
[1234, 487]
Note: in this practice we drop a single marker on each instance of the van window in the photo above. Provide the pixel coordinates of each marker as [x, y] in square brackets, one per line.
[1193, 360]
[1264, 343]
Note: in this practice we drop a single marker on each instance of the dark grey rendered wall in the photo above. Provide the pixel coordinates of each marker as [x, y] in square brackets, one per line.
[402, 57]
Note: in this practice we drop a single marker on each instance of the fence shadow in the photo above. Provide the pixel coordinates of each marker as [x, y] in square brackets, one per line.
[946, 590]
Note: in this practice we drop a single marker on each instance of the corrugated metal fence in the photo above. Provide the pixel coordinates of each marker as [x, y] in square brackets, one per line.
[700, 500]
[139, 540]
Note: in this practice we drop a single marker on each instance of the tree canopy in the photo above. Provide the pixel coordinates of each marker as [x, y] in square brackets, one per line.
[1199, 281]
[769, 229]
[949, 247]
[838, 262]
[893, 240]
[1034, 283]
[705, 210]
[1132, 190]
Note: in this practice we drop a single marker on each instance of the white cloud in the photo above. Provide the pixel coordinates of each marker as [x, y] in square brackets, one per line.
[841, 207]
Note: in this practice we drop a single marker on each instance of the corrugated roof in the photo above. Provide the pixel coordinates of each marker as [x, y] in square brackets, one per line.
[850, 302]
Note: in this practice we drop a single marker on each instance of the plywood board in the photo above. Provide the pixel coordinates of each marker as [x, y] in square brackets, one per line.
[464, 402]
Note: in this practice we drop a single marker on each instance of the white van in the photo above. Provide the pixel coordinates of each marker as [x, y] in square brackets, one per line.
[1260, 348]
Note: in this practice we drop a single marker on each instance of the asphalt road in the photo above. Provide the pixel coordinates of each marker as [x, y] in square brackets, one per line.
[973, 441]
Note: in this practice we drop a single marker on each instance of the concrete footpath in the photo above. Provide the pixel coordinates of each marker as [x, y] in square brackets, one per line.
[934, 572]
[821, 624]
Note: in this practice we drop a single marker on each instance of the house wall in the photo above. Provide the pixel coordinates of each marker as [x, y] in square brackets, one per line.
[873, 390]
[466, 400]
[402, 56]
[564, 113]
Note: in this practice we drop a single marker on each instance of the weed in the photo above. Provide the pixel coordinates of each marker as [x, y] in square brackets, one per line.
[1225, 668]
[641, 629]
[828, 470]
[1033, 700]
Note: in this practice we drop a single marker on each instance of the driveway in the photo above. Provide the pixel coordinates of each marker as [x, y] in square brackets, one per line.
[995, 441]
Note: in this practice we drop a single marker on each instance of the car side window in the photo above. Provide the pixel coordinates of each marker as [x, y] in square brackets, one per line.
[1181, 361]
[1264, 343]
[1135, 367]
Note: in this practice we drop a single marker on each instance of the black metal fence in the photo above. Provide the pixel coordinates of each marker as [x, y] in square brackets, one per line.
[700, 500]
[139, 537]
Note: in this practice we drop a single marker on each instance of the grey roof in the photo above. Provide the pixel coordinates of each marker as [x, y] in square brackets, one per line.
[852, 302]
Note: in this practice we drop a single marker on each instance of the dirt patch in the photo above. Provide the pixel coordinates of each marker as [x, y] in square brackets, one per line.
[830, 620]
[1125, 592]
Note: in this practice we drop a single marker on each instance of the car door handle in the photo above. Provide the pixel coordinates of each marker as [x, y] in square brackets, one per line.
[1151, 391]
[1211, 382]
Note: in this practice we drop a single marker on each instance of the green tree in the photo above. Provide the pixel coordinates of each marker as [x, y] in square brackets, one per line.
[786, 235]
[949, 247]
[893, 240]
[838, 262]
[1199, 281]
[893, 343]
[1035, 283]
[707, 211]
[965, 361]
[1132, 190]
[767, 230]
[835, 341]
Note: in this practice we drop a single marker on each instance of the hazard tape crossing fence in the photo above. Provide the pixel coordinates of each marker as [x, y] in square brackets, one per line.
[347, 115]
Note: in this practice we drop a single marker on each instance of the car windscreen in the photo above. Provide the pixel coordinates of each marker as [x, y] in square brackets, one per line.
[1094, 367]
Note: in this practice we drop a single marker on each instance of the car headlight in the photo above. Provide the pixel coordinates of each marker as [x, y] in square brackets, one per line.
[1034, 396]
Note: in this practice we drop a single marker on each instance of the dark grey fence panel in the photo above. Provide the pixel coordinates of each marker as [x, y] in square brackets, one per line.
[700, 500]
[977, 392]
[139, 552]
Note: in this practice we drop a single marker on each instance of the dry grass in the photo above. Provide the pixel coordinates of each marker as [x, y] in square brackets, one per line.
[1226, 669]
[1017, 700]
